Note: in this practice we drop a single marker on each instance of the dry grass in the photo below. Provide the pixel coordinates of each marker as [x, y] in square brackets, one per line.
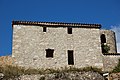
[15, 71]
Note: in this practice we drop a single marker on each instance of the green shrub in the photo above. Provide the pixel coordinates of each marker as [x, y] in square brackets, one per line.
[105, 48]
[117, 68]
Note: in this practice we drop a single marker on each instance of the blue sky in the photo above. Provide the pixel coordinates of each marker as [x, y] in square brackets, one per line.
[105, 12]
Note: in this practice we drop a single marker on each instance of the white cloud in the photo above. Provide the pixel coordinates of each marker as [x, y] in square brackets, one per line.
[116, 29]
[118, 47]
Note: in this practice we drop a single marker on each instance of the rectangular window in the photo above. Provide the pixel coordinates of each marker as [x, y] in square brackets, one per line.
[69, 30]
[44, 29]
[70, 57]
[49, 53]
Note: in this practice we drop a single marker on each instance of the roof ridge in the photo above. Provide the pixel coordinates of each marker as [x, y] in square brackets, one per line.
[56, 24]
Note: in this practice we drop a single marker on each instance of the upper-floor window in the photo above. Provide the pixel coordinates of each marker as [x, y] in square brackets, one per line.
[103, 38]
[69, 30]
[44, 29]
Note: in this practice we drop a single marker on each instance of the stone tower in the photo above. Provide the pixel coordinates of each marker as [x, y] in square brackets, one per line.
[109, 39]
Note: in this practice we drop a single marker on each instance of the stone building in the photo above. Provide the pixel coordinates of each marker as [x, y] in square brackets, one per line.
[56, 44]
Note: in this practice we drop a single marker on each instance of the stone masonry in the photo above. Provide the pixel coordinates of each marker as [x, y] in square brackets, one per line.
[79, 48]
[110, 40]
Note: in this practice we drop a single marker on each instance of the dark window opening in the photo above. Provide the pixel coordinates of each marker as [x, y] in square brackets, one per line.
[103, 38]
[103, 50]
[70, 57]
[69, 30]
[44, 29]
[49, 53]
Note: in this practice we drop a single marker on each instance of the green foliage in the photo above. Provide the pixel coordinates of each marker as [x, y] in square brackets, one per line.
[117, 68]
[105, 48]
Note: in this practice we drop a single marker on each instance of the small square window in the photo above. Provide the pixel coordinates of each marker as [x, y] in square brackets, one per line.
[49, 53]
[69, 30]
[44, 29]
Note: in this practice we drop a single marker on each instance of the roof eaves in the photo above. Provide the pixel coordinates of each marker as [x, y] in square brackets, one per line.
[57, 24]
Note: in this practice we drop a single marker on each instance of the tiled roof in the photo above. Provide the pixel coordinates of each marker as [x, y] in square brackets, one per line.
[57, 24]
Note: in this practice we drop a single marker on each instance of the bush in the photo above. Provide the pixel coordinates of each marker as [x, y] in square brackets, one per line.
[117, 68]
[105, 48]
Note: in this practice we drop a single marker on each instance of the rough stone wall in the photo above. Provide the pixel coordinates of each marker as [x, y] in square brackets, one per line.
[110, 61]
[7, 60]
[30, 42]
[114, 76]
[87, 47]
[110, 40]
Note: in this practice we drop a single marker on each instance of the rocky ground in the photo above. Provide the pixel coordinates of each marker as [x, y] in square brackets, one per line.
[114, 76]
[60, 76]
